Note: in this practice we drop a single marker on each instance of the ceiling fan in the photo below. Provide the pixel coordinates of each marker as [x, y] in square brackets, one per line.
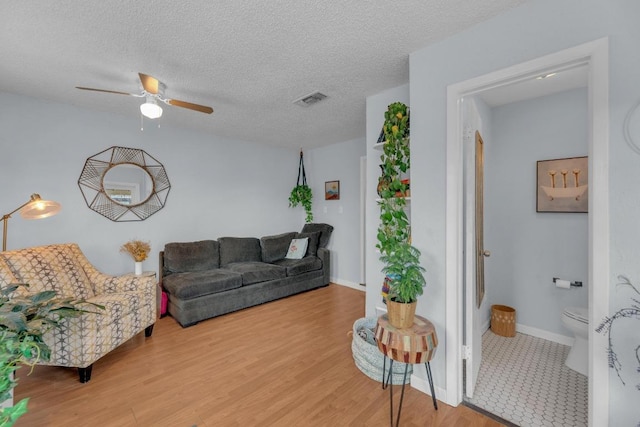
[153, 91]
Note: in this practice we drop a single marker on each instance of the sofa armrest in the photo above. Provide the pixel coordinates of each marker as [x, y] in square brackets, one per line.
[325, 255]
[106, 284]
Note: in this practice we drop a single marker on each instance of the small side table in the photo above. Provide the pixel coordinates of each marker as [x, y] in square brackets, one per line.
[413, 345]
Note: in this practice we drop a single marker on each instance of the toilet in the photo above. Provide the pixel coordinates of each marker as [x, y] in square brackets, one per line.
[576, 319]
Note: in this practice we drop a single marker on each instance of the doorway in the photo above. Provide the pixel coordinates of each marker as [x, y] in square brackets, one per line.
[528, 249]
[593, 55]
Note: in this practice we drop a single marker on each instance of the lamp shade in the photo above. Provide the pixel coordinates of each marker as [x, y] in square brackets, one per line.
[151, 109]
[38, 208]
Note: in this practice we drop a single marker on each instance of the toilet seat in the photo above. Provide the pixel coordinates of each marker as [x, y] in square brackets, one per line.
[577, 313]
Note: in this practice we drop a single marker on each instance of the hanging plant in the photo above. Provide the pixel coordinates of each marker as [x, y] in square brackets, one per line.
[301, 193]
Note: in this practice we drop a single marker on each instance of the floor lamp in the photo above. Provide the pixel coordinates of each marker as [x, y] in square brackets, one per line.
[35, 208]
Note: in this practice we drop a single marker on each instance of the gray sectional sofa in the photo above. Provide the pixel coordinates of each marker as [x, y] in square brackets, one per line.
[209, 278]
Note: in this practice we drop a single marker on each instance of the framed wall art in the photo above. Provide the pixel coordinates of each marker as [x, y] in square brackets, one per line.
[562, 185]
[332, 190]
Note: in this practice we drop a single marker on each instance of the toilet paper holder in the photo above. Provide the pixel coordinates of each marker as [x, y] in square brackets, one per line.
[575, 284]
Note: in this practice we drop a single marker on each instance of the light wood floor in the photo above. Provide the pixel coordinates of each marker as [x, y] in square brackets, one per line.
[285, 363]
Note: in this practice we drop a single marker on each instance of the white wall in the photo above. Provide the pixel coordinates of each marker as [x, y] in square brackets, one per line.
[530, 31]
[218, 186]
[376, 107]
[529, 249]
[339, 162]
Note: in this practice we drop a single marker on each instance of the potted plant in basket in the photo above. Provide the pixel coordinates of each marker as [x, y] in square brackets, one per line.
[23, 321]
[404, 274]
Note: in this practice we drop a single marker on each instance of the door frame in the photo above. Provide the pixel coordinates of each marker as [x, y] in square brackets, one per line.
[595, 55]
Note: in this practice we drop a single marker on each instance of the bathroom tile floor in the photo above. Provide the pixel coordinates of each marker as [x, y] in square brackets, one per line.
[523, 380]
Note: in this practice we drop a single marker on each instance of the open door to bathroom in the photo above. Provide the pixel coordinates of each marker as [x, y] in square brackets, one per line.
[474, 286]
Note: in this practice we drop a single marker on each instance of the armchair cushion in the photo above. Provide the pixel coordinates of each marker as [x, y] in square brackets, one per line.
[6, 276]
[55, 268]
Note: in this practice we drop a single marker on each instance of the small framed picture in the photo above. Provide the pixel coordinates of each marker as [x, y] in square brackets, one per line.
[562, 185]
[332, 190]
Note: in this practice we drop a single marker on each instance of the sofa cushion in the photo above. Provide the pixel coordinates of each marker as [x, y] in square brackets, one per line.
[314, 239]
[324, 229]
[199, 283]
[275, 247]
[50, 268]
[239, 249]
[191, 256]
[255, 272]
[295, 267]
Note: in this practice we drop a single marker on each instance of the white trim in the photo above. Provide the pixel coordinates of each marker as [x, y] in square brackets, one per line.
[363, 219]
[545, 335]
[599, 274]
[595, 55]
[422, 384]
[348, 284]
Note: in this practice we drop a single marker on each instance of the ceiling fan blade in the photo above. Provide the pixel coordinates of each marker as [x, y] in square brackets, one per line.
[196, 107]
[104, 90]
[150, 84]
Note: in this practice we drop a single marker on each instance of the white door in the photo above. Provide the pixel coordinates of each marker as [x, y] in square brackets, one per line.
[475, 252]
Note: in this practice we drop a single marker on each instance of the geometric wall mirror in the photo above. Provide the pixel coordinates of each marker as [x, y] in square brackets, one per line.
[124, 184]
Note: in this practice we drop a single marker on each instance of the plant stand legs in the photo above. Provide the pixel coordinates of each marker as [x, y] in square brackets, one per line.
[430, 378]
[389, 383]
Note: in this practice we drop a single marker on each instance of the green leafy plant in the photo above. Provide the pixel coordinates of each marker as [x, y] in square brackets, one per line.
[302, 195]
[402, 260]
[24, 319]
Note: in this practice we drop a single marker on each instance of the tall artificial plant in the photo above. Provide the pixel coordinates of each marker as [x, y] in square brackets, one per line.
[301, 193]
[401, 259]
[24, 319]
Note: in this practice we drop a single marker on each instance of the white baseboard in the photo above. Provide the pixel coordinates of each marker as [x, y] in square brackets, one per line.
[539, 333]
[421, 384]
[352, 285]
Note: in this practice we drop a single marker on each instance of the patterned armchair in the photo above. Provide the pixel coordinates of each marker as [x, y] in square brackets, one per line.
[129, 301]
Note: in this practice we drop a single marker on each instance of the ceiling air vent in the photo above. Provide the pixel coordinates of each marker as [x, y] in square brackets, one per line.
[310, 99]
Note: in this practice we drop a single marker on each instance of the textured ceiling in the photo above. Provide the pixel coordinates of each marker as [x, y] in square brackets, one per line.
[249, 60]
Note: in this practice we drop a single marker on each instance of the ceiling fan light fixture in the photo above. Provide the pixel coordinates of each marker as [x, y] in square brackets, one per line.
[151, 109]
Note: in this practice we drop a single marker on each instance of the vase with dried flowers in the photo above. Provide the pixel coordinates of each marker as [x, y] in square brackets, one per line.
[139, 251]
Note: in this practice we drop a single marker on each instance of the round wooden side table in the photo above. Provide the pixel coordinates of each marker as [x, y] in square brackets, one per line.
[413, 345]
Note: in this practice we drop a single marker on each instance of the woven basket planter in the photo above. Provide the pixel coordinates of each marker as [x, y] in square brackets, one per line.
[369, 359]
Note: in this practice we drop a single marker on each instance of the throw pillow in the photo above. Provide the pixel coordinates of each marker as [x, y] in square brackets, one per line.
[297, 248]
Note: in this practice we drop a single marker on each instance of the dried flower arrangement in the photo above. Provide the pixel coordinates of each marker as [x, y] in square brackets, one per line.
[138, 249]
